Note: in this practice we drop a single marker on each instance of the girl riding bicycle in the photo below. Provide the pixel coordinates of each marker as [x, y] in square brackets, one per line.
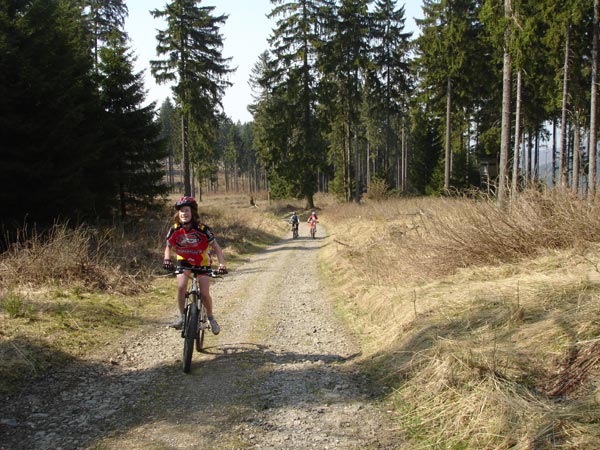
[191, 241]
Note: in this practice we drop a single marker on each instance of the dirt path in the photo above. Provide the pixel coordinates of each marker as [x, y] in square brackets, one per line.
[280, 375]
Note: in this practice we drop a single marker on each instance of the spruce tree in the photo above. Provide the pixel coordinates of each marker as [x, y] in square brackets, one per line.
[49, 115]
[133, 147]
[191, 45]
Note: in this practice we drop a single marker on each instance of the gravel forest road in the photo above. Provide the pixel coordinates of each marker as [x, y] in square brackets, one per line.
[280, 375]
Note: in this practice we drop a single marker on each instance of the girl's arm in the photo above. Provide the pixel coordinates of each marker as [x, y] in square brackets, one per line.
[217, 248]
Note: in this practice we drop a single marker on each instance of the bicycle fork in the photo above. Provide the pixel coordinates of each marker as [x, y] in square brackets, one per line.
[202, 318]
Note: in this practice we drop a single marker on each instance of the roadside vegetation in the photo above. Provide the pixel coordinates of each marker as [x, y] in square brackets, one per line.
[485, 326]
[69, 292]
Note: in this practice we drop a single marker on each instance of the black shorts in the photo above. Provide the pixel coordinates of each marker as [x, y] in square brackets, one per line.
[182, 265]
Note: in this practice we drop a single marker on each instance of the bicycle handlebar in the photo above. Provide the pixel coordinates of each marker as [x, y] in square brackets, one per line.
[213, 273]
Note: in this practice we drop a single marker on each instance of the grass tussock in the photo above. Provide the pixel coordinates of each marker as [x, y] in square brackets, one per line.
[485, 324]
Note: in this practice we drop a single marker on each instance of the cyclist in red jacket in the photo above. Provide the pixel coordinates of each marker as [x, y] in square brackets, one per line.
[191, 241]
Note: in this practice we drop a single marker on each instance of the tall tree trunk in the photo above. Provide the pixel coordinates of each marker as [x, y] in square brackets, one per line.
[448, 152]
[171, 176]
[405, 165]
[563, 167]
[192, 181]
[554, 166]
[347, 164]
[505, 127]
[368, 180]
[468, 154]
[356, 167]
[536, 158]
[187, 186]
[515, 174]
[525, 163]
[576, 156]
[593, 106]
[402, 187]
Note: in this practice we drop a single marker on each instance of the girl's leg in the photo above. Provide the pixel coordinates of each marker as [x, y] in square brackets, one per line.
[207, 301]
[182, 282]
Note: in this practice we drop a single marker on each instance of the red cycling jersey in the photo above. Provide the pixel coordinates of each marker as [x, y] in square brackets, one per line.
[192, 245]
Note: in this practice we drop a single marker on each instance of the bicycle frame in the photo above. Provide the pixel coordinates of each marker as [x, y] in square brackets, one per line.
[313, 228]
[193, 296]
[196, 318]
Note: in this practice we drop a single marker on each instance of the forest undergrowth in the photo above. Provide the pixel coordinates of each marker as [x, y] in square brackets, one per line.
[484, 323]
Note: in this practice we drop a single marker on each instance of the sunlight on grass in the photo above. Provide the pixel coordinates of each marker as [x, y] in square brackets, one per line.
[483, 323]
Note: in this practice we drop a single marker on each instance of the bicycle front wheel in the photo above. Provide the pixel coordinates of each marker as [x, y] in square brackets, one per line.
[191, 328]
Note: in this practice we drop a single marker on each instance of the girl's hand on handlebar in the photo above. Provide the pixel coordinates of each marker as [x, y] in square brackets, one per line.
[222, 270]
[168, 265]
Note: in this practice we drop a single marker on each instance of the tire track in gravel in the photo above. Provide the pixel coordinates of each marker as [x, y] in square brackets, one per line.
[280, 375]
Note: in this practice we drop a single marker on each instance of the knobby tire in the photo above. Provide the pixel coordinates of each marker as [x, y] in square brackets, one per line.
[191, 329]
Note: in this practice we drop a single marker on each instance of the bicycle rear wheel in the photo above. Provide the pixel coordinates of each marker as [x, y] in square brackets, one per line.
[191, 329]
[202, 328]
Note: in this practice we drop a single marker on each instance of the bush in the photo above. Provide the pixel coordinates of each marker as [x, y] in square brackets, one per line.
[378, 189]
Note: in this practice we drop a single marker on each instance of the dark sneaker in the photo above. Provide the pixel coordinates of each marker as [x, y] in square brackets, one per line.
[214, 326]
[178, 324]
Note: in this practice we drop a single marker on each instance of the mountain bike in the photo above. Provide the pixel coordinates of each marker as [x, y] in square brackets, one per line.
[313, 228]
[295, 231]
[196, 319]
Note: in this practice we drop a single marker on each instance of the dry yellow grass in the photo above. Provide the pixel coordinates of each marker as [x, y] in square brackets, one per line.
[484, 323]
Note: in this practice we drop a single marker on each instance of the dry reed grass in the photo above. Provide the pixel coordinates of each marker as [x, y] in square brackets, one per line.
[425, 238]
[472, 315]
[62, 255]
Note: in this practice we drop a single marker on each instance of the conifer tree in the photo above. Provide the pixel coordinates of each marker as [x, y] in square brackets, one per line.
[344, 60]
[133, 149]
[391, 81]
[106, 20]
[294, 76]
[49, 115]
[191, 45]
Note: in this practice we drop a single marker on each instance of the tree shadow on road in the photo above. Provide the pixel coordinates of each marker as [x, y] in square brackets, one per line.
[89, 402]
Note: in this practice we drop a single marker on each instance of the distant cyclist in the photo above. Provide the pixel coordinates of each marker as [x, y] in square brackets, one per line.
[191, 241]
[294, 221]
[313, 220]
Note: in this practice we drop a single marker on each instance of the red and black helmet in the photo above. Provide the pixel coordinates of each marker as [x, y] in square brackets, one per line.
[186, 201]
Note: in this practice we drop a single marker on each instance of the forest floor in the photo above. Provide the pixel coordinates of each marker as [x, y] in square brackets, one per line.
[283, 373]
